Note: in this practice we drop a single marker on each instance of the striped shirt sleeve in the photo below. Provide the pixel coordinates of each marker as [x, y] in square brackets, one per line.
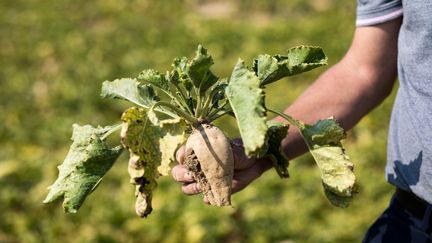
[372, 12]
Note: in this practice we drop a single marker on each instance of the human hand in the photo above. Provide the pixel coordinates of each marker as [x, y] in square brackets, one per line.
[246, 170]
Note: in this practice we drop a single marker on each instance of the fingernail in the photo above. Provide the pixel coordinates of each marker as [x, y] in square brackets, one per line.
[188, 176]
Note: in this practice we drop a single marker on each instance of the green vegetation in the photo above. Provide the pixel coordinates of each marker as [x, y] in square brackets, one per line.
[53, 57]
[195, 99]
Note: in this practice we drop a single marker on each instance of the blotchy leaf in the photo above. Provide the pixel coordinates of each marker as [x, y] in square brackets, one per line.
[88, 160]
[276, 132]
[130, 89]
[151, 149]
[180, 65]
[155, 78]
[298, 60]
[247, 101]
[198, 69]
[323, 140]
[337, 200]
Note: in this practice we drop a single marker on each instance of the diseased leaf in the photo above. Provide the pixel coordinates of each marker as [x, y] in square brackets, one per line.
[323, 139]
[88, 160]
[298, 60]
[247, 102]
[198, 69]
[154, 78]
[174, 131]
[130, 89]
[276, 132]
[337, 200]
[152, 149]
[173, 77]
[180, 65]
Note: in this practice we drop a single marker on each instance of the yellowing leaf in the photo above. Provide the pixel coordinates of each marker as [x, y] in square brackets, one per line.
[323, 140]
[152, 149]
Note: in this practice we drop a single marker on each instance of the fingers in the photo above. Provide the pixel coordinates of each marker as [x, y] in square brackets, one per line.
[180, 154]
[181, 174]
[191, 189]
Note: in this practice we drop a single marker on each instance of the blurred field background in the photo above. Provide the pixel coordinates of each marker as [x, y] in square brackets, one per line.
[54, 55]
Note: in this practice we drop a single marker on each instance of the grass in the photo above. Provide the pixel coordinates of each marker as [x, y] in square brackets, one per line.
[54, 56]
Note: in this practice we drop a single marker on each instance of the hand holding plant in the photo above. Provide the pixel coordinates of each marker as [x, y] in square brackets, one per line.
[246, 170]
[180, 107]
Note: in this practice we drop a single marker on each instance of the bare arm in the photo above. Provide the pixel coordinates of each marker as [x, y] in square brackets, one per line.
[351, 88]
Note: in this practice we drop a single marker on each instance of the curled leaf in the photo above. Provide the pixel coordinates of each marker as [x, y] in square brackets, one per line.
[298, 60]
[247, 102]
[154, 78]
[151, 149]
[323, 139]
[130, 89]
[180, 65]
[276, 132]
[198, 69]
[88, 160]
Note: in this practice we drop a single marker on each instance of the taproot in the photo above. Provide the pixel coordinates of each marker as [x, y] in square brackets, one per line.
[209, 158]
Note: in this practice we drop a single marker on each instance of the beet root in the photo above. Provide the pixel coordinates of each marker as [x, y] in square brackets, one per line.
[210, 160]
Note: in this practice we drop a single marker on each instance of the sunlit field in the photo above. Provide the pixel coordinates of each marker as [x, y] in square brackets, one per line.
[54, 56]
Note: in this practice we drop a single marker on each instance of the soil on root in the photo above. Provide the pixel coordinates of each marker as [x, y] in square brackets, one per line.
[192, 164]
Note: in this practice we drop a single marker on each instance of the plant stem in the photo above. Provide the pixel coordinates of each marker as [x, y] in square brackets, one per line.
[182, 95]
[192, 120]
[198, 105]
[209, 99]
[291, 120]
[113, 130]
[174, 98]
[221, 108]
[206, 105]
[217, 116]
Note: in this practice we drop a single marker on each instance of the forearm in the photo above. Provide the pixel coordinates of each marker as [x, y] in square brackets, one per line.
[350, 89]
[341, 92]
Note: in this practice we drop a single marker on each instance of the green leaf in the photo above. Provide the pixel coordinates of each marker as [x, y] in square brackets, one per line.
[198, 69]
[173, 77]
[88, 160]
[155, 78]
[247, 101]
[130, 89]
[298, 60]
[180, 65]
[276, 132]
[323, 140]
[152, 149]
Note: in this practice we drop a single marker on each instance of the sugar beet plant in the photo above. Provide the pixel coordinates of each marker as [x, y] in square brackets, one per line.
[179, 107]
